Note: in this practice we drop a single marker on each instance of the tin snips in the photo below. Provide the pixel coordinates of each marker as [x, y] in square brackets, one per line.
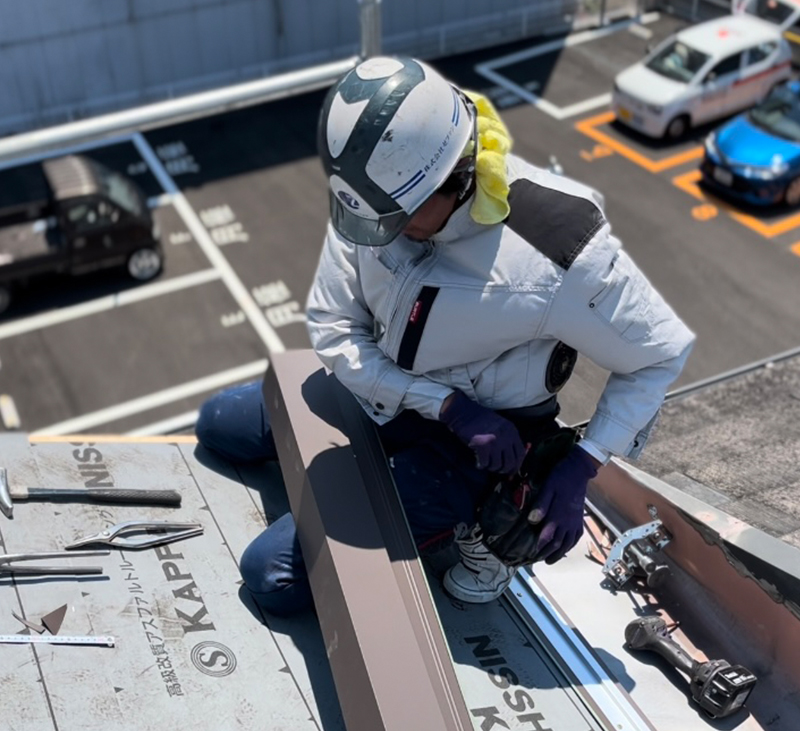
[135, 534]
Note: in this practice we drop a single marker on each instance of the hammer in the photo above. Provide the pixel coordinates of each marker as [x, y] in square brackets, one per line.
[94, 494]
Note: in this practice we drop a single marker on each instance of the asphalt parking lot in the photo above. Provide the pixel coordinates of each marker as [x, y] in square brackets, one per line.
[241, 203]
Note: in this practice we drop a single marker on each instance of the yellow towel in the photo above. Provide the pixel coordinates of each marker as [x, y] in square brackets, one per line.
[494, 143]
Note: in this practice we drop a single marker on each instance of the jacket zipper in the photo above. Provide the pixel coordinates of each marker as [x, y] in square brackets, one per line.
[407, 293]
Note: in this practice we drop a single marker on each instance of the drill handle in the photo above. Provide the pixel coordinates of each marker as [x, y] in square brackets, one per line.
[650, 633]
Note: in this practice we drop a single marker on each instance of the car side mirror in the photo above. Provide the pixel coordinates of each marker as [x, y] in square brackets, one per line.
[712, 76]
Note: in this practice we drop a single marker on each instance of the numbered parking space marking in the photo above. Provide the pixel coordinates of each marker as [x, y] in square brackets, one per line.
[596, 152]
[177, 159]
[222, 225]
[233, 318]
[273, 297]
[589, 127]
[704, 212]
[489, 69]
[180, 237]
[155, 170]
[237, 289]
[688, 182]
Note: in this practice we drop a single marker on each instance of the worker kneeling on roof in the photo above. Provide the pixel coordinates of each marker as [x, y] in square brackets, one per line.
[456, 286]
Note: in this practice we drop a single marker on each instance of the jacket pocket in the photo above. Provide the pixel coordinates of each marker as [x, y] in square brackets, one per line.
[624, 303]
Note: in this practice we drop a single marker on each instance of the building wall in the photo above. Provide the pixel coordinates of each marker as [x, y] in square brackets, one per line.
[68, 59]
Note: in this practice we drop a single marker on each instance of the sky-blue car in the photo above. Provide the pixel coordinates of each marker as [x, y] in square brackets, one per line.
[755, 157]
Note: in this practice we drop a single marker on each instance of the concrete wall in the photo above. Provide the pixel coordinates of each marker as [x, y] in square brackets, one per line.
[69, 59]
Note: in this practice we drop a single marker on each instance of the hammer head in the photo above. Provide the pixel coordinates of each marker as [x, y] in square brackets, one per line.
[5, 494]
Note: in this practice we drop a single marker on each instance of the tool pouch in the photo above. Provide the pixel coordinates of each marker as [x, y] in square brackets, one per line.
[503, 517]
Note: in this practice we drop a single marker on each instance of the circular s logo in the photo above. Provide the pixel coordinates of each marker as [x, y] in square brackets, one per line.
[213, 658]
[349, 200]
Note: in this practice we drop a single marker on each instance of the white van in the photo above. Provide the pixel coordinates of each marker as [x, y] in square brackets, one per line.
[707, 71]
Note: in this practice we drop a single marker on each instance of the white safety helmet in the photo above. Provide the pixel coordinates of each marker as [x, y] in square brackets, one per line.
[391, 132]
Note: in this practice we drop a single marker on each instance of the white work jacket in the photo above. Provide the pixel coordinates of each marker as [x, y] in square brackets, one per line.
[498, 311]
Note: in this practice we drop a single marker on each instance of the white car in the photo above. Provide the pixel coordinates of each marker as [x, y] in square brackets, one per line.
[707, 71]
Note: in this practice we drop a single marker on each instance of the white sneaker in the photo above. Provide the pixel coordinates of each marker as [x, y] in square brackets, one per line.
[479, 576]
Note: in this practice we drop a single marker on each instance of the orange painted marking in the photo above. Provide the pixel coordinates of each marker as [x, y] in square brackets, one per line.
[796, 248]
[589, 128]
[688, 183]
[597, 151]
[705, 212]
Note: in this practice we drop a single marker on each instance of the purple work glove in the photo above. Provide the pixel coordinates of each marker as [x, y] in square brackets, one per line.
[558, 508]
[495, 440]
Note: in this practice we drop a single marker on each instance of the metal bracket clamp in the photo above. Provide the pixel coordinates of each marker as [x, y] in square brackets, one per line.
[633, 550]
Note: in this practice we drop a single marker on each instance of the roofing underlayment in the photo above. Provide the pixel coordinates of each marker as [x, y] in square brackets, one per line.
[190, 645]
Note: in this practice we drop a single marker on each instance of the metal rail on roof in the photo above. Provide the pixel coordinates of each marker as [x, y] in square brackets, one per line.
[599, 690]
[691, 388]
[204, 103]
[191, 106]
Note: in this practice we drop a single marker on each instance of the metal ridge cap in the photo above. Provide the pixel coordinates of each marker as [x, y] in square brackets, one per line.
[399, 544]
[363, 557]
[203, 103]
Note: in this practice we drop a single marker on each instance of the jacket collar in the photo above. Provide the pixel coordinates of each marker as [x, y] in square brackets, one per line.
[460, 225]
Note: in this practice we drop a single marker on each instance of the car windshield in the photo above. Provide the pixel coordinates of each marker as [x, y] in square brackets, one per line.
[772, 10]
[120, 190]
[779, 114]
[677, 61]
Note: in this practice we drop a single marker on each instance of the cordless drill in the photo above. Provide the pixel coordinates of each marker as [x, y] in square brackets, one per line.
[718, 687]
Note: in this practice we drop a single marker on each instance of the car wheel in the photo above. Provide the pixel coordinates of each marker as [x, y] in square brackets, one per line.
[5, 298]
[791, 195]
[145, 263]
[677, 127]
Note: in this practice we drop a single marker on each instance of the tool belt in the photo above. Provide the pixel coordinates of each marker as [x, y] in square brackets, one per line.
[503, 517]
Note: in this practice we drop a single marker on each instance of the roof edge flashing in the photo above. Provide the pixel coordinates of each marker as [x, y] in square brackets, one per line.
[733, 588]
[750, 544]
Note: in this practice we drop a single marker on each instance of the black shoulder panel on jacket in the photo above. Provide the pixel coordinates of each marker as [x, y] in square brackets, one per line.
[556, 223]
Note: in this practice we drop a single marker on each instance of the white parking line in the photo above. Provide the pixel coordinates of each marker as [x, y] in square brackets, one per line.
[159, 200]
[237, 289]
[221, 270]
[109, 302]
[641, 32]
[166, 426]
[488, 69]
[580, 107]
[154, 400]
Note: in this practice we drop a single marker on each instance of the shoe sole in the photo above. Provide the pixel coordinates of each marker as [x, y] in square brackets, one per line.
[458, 592]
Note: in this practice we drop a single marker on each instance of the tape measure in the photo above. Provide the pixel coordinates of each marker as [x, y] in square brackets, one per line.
[56, 640]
